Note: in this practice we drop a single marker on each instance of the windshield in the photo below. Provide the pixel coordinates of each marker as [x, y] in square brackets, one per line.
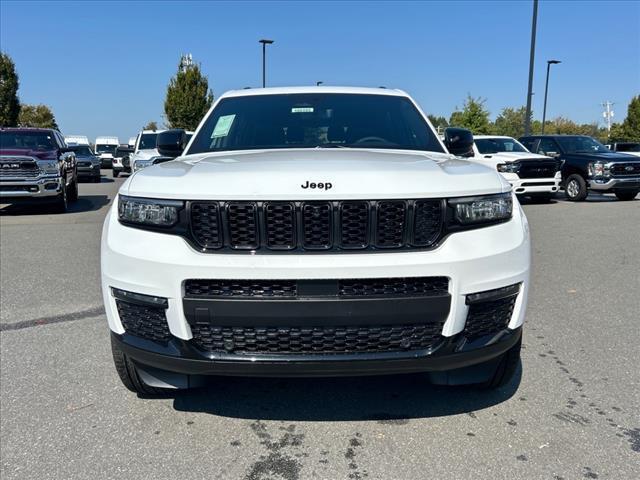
[496, 145]
[147, 141]
[82, 151]
[315, 120]
[27, 140]
[105, 148]
[581, 145]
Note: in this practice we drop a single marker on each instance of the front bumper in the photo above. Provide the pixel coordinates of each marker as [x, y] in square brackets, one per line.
[178, 364]
[92, 171]
[16, 190]
[614, 183]
[533, 186]
[158, 264]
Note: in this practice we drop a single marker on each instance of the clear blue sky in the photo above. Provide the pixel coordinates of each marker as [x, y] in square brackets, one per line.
[104, 67]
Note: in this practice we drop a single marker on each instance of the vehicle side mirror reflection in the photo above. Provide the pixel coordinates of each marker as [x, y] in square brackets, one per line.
[459, 141]
[171, 143]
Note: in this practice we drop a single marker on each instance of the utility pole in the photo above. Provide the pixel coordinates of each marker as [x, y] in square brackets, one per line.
[532, 54]
[608, 114]
[546, 89]
[264, 43]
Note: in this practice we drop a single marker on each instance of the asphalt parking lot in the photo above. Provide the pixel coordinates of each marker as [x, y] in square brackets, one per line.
[572, 412]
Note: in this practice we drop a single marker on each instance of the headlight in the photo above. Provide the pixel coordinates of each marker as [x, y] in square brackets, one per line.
[140, 164]
[598, 169]
[508, 167]
[50, 168]
[148, 211]
[485, 209]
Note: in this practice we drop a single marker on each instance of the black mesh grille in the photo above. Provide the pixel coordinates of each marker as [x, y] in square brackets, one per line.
[488, 318]
[205, 224]
[84, 164]
[537, 168]
[243, 225]
[144, 321]
[427, 222]
[622, 169]
[403, 287]
[390, 224]
[240, 288]
[280, 225]
[354, 224]
[315, 340]
[331, 225]
[316, 220]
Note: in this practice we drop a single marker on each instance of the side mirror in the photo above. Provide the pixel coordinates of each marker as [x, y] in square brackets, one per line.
[171, 143]
[459, 141]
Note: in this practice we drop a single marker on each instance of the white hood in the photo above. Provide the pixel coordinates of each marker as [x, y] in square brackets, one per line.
[280, 175]
[145, 154]
[493, 159]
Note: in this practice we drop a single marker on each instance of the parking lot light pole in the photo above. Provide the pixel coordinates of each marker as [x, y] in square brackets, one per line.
[546, 88]
[532, 53]
[264, 43]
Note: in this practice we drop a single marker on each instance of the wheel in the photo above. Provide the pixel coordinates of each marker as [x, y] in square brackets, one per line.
[115, 173]
[60, 205]
[97, 179]
[575, 188]
[128, 374]
[72, 194]
[505, 369]
[626, 195]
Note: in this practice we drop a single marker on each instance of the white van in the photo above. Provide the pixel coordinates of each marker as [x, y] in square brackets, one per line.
[105, 148]
[76, 139]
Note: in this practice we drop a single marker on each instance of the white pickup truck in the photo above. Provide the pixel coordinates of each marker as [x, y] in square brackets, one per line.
[315, 231]
[530, 174]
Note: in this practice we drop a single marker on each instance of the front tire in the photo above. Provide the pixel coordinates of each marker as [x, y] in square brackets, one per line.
[576, 188]
[129, 376]
[72, 194]
[116, 173]
[61, 203]
[506, 369]
[627, 195]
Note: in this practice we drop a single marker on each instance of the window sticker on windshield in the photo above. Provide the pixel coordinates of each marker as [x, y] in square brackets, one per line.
[223, 126]
[302, 110]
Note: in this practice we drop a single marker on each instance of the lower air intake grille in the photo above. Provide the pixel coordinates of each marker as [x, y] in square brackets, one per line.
[144, 321]
[315, 340]
[240, 288]
[489, 318]
[401, 287]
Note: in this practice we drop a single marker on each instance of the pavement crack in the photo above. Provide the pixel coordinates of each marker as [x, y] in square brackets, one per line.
[65, 317]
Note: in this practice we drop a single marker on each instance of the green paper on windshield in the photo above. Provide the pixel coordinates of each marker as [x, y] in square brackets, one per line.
[223, 126]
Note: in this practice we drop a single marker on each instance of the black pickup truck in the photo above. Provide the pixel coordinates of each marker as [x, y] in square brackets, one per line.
[589, 165]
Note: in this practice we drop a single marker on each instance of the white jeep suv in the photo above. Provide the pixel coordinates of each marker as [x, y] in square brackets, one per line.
[315, 231]
[530, 174]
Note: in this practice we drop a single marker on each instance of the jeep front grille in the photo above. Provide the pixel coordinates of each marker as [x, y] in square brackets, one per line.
[320, 226]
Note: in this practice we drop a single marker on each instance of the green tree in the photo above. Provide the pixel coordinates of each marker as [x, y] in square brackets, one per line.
[39, 116]
[473, 116]
[617, 133]
[510, 122]
[188, 97]
[631, 124]
[152, 125]
[9, 83]
[439, 123]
